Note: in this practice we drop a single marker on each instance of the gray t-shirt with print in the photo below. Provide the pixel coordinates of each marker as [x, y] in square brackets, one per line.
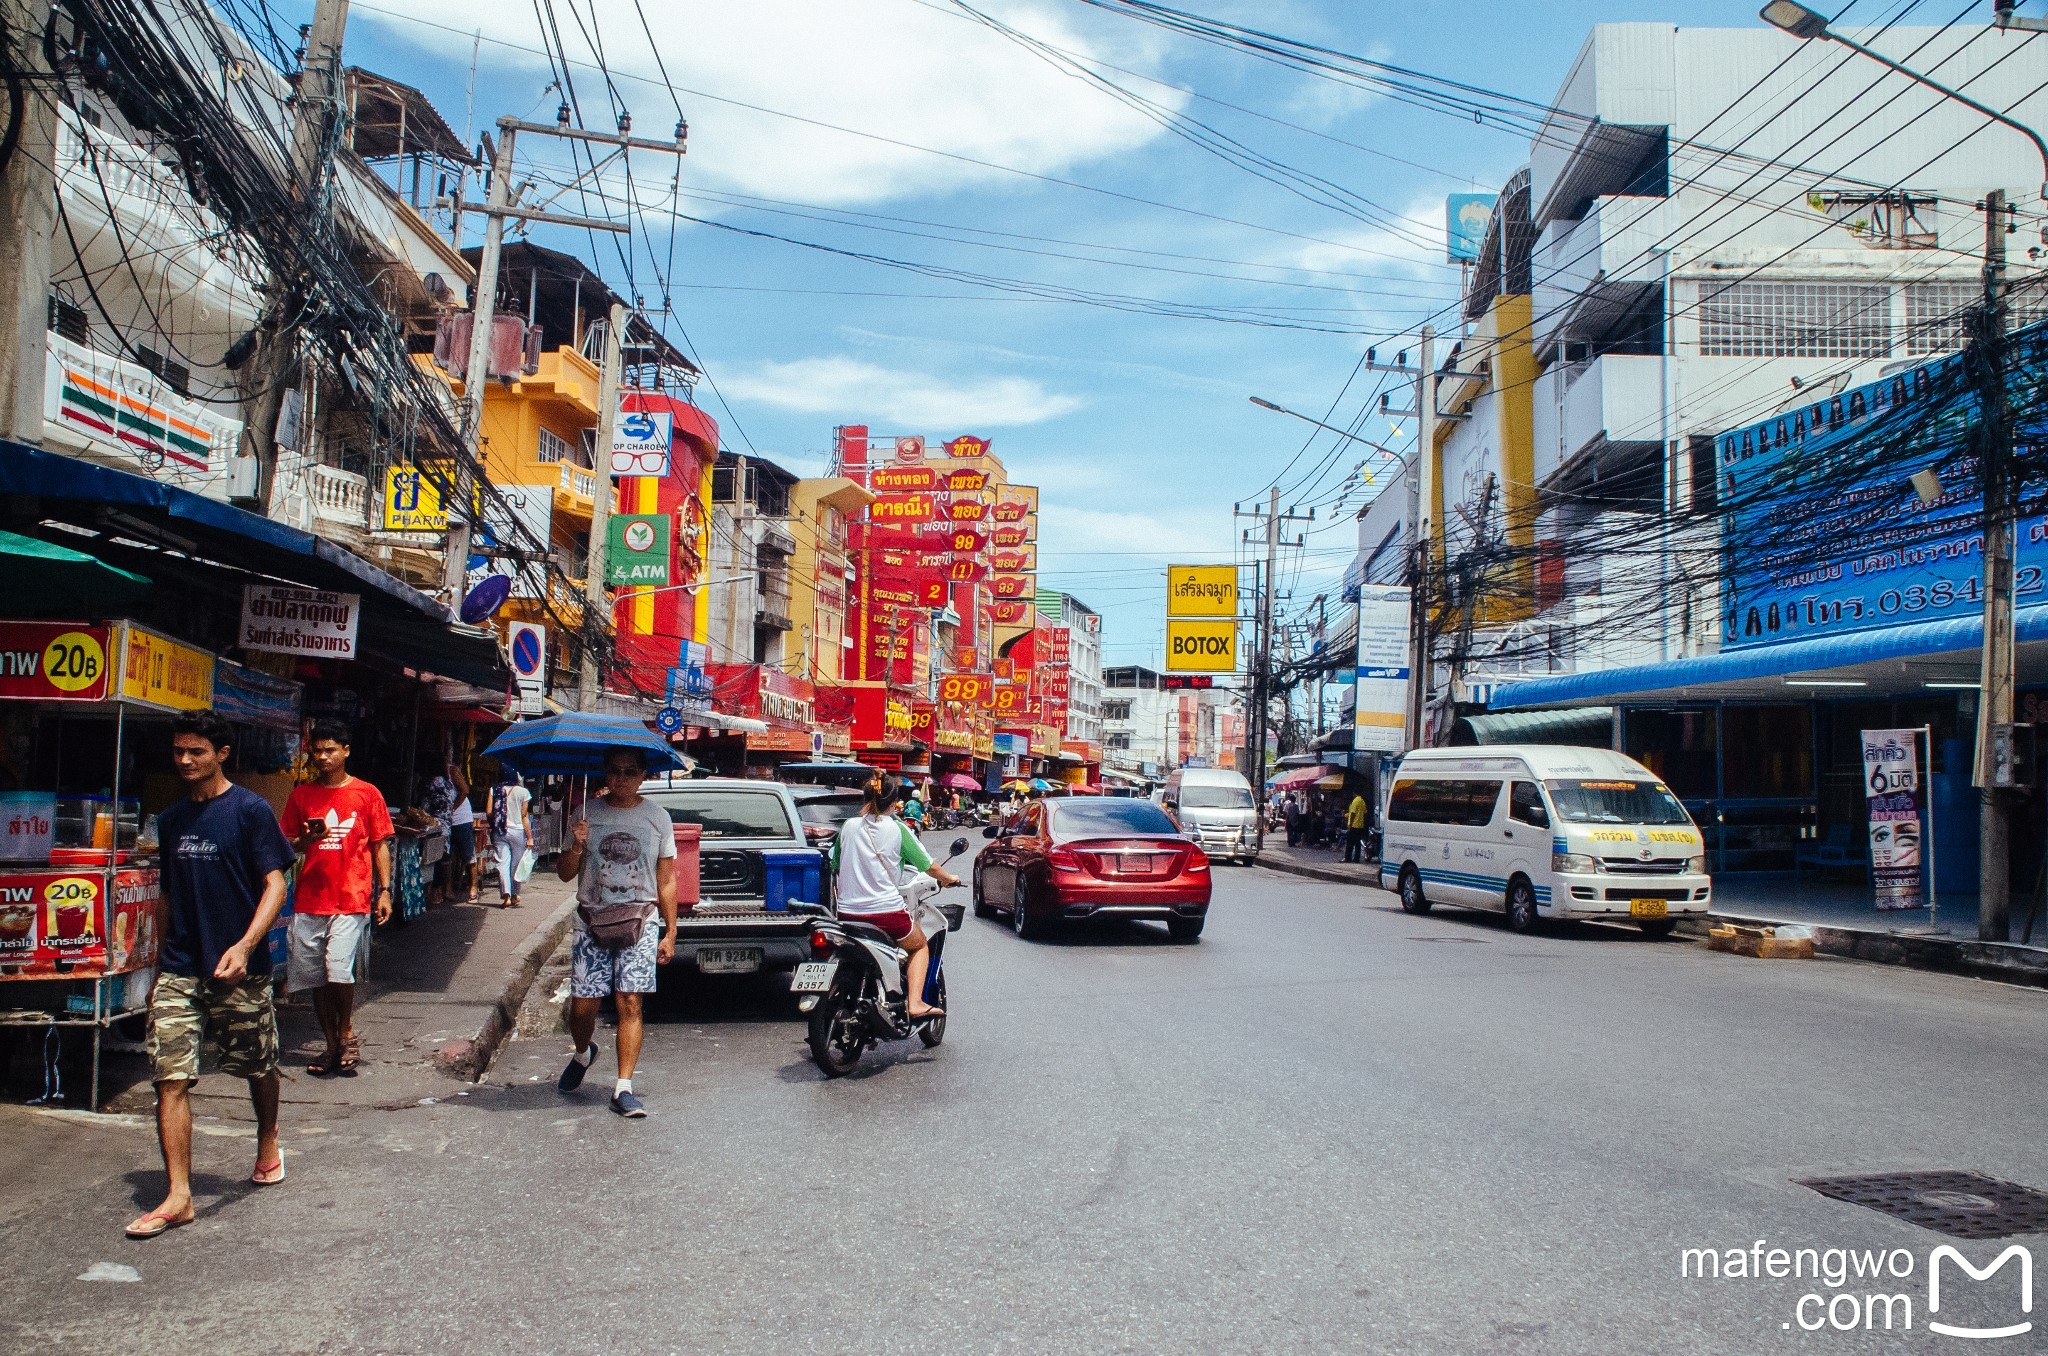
[619, 859]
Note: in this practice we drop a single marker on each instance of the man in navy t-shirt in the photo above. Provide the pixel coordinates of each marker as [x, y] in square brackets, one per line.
[224, 859]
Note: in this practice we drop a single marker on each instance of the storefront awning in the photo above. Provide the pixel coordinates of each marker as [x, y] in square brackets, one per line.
[1301, 776]
[1592, 726]
[1892, 661]
[176, 538]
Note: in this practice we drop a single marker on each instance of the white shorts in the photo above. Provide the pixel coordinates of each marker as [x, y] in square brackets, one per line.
[327, 948]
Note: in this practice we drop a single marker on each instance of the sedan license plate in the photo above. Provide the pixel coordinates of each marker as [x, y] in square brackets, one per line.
[1646, 908]
[729, 960]
[813, 977]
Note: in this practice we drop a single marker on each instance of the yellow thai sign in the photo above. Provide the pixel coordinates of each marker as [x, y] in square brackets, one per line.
[412, 502]
[1201, 646]
[159, 671]
[1201, 591]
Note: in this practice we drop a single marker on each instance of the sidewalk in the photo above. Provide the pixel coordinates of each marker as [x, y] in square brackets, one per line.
[1843, 920]
[443, 992]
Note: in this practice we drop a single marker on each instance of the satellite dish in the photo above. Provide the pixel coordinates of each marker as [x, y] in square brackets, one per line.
[486, 598]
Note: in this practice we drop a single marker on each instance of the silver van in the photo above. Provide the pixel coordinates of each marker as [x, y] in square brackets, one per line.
[1214, 807]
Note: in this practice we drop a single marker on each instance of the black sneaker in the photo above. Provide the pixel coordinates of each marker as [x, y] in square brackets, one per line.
[629, 1106]
[572, 1077]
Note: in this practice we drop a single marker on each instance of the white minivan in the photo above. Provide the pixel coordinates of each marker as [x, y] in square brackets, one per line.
[1214, 806]
[1541, 831]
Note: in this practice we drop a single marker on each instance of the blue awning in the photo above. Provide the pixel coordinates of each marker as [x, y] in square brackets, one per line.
[51, 475]
[1819, 656]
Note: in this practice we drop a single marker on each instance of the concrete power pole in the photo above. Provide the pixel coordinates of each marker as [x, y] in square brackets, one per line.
[476, 373]
[317, 108]
[596, 599]
[1422, 490]
[1995, 770]
[28, 212]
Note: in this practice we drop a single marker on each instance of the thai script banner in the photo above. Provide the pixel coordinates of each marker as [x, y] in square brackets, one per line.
[1895, 793]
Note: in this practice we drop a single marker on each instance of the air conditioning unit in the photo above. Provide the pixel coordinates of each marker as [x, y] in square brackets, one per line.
[242, 481]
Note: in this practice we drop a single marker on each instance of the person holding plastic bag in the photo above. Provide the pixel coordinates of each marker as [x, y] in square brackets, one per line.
[511, 831]
[879, 872]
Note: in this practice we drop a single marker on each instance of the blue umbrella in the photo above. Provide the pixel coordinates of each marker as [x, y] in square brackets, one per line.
[1041, 784]
[574, 744]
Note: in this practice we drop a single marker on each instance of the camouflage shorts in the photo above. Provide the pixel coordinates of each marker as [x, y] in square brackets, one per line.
[236, 1022]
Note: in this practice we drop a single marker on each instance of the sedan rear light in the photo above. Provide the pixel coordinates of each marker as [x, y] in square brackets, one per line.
[1198, 860]
[1064, 859]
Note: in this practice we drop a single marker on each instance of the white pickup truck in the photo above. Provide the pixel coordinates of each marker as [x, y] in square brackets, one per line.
[731, 931]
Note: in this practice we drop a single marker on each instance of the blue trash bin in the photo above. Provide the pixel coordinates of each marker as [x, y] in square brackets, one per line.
[792, 873]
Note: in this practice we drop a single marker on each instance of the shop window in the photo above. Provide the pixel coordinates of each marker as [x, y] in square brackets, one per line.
[1767, 752]
[1678, 745]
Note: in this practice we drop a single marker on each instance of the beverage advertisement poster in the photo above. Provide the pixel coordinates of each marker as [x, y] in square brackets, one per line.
[1895, 794]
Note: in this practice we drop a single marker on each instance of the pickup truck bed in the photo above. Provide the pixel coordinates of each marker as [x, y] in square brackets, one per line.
[742, 819]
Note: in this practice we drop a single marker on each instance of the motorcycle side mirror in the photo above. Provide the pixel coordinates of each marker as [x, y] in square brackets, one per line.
[959, 846]
[991, 832]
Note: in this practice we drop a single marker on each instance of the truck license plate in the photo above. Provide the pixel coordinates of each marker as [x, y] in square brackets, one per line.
[729, 960]
[814, 976]
[1646, 908]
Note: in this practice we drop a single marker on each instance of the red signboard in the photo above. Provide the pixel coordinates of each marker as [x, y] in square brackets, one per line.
[965, 541]
[1012, 534]
[970, 510]
[1015, 503]
[923, 720]
[1013, 586]
[1022, 560]
[903, 508]
[54, 922]
[966, 481]
[966, 571]
[910, 450]
[1008, 612]
[966, 687]
[902, 479]
[1062, 643]
[967, 445]
[54, 661]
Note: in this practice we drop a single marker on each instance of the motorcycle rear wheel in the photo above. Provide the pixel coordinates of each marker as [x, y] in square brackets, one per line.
[835, 1037]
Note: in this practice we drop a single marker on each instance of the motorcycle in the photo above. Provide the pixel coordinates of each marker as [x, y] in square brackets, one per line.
[852, 988]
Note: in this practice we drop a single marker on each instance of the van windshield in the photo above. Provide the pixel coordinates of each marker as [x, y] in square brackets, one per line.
[1592, 802]
[1216, 798]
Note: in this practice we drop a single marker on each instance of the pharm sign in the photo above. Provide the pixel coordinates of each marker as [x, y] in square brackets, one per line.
[640, 442]
[412, 502]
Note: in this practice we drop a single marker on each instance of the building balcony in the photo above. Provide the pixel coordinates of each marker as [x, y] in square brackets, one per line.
[108, 410]
[575, 490]
[567, 376]
[324, 500]
[1597, 422]
[1593, 272]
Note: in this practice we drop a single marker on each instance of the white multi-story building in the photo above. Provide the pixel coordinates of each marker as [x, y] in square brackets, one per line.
[1140, 723]
[1727, 222]
[1084, 659]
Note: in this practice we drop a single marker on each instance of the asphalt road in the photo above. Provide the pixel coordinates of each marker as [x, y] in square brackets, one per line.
[1328, 1127]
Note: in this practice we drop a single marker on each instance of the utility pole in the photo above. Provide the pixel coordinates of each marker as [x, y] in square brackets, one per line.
[1262, 674]
[596, 598]
[1422, 504]
[28, 212]
[500, 205]
[1994, 771]
[316, 111]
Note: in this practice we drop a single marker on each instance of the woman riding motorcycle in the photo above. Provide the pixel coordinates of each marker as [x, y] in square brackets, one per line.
[868, 860]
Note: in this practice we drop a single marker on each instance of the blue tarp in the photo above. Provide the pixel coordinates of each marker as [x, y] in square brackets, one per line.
[1816, 655]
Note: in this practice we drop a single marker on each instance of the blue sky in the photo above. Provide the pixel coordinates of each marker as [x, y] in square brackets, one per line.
[907, 129]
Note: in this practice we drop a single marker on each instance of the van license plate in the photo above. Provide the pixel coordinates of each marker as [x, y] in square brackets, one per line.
[813, 977]
[729, 960]
[1646, 908]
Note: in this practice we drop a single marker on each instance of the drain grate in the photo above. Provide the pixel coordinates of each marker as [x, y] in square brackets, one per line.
[1960, 1204]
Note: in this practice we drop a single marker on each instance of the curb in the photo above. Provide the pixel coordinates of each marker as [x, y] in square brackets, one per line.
[469, 1059]
[1328, 873]
[2006, 962]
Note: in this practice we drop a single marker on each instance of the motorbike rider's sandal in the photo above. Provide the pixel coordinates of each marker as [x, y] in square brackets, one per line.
[927, 1015]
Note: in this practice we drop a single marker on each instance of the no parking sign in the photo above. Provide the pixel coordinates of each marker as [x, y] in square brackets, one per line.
[530, 666]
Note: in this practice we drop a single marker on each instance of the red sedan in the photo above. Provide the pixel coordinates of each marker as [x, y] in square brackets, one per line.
[1076, 858]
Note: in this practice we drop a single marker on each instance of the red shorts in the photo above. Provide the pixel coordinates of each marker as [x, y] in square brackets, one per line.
[897, 922]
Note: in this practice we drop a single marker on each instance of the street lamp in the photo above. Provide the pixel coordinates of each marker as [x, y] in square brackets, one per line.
[1997, 668]
[1265, 404]
[1806, 24]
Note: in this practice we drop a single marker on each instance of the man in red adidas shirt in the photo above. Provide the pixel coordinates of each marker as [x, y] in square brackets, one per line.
[342, 831]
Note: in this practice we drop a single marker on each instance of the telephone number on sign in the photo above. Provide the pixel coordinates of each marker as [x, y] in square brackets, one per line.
[1806, 614]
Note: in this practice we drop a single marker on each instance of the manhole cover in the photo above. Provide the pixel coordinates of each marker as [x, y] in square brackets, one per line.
[1961, 1204]
[1477, 941]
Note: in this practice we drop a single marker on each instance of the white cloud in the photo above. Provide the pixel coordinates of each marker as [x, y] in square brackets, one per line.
[897, 70]
[851, 389]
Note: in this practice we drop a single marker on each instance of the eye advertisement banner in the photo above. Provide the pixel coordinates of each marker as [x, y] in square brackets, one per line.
[1895, 793]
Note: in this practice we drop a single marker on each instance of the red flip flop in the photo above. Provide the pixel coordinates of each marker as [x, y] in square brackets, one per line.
[155, 1223]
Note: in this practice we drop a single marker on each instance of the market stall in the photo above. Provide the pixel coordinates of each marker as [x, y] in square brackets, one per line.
[81, 904]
